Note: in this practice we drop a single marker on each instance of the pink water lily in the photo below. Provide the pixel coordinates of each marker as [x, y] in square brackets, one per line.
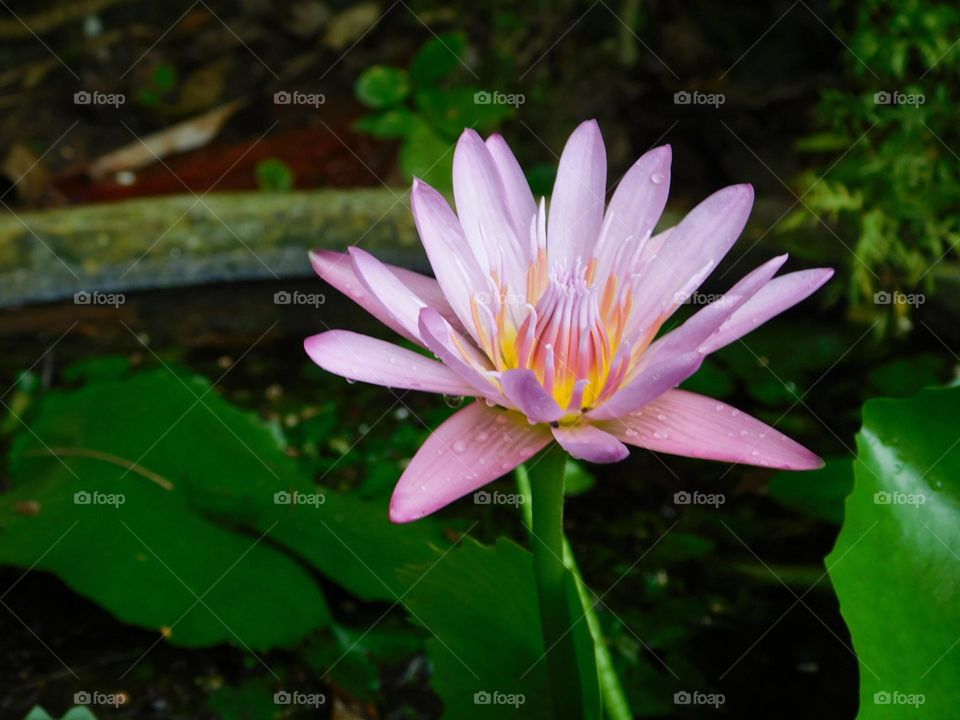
[549, 318]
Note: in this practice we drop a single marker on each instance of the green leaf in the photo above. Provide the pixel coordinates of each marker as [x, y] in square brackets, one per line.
[395, 122]
[142, 542]
[480, 604]
[895, 566]
[382, 86]
[438, 57]
[274, 175]
[427, 155]
[819, 493]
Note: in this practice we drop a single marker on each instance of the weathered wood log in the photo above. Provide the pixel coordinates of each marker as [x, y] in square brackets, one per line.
[185, 240]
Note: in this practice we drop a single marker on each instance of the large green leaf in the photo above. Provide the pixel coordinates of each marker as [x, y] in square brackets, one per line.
[896, 565]
[480, 604]
[226, 468]
[134, 540]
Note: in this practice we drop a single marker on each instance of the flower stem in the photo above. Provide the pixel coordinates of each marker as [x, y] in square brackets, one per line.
[615, 702]
[546, 528]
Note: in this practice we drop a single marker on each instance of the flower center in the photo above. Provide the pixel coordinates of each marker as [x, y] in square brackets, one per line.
[563, 339]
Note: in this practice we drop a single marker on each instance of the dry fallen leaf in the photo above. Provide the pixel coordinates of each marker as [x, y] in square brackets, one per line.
[187, 135]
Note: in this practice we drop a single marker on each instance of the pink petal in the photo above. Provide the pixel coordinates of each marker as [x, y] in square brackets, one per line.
[775, 297]
[454, 264]
[400, 302]
[706, 321]
[586, 442]
[684, 423]
[651, 382]
[483, 212]
[470, 449]
[527, 394]
[579, 194]
[337, 269]
[519, 199]
[694, 248]
[367, 359]
[439, 337]
[635, 207]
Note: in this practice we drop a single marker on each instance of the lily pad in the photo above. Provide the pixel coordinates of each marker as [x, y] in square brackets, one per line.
[106, 491]
[896, 565]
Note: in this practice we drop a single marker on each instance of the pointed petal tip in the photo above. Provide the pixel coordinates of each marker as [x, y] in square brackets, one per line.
[400, 515]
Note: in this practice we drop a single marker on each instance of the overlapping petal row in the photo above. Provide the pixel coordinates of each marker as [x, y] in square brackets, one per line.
[549, 315]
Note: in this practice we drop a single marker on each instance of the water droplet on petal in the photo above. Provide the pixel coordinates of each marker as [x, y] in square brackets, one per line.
[459, 446]
[656, 178]
[453, 400]
[661, 435]
[351, 381]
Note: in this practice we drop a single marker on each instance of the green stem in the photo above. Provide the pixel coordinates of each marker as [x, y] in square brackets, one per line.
[615, 703]
[546, 526]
